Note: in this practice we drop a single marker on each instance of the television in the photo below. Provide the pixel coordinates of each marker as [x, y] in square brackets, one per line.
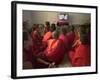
[63, 19]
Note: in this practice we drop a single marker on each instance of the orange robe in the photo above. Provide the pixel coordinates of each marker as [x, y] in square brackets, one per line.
[47, 29]
[81, 57]
[45, 39]
[47, 36]
[55, 50]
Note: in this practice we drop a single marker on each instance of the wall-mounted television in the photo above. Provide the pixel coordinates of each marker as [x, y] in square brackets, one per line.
[63, 16]
[63, 19]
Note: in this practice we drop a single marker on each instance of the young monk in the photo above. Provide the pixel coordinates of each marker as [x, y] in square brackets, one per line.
[48, 35]
[47, 27]
[55, 50]
[81, 30]
[63, 37]
[71, 36]
[81, 56]
[30, 60]
[36, 33]
[36, 37]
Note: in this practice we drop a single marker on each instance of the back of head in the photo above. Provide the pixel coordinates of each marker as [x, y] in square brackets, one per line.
[84, 39]
[72, 28]
[55, 34]
[64, 30]
[47, 23]
[53, 27]
[83, 34]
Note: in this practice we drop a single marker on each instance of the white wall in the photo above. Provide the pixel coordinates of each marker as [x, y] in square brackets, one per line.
[79, 18]
[40, 17]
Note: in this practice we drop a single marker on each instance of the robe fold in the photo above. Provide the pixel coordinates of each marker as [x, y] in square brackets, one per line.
[71, 38]
[82, 56]
[28, 56]
[65, 41]
[55, 50]
[45, 39]
[47, 36]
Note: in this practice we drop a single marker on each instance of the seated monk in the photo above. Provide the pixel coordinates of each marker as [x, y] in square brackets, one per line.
[76, 41]
[63, 37]
[81, 56]
[27, 52]
[71, 37]
[30, 60]
[36, 34]
[47, 27]
[48, 35]
[55, 50]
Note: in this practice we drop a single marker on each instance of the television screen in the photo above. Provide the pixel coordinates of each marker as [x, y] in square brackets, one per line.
[63, 16]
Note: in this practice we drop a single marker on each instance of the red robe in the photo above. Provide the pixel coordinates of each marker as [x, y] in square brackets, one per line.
[47, 36]
[71, 37]
[45, 39]
[55, 51]
[81, 57]
[28, 56]
[47, 29]
[36, 37]
[65, 41]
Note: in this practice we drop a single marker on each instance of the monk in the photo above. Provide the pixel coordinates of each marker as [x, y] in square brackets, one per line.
[36, 33]
[55, 50]
[47, 26]
[64, 38]
[30, 60]
[76, 40]
[36, 37]
[81, 56]
[48, 35]
[71, 36]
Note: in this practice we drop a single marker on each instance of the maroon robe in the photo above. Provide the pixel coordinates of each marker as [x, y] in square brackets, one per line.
[55, 50]
[81, 57]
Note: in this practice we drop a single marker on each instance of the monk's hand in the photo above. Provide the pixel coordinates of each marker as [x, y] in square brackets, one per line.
[52, 65]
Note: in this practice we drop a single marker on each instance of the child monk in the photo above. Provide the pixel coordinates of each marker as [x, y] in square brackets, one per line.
[81, 56]
[47, 27]
[63, 37]
[71, 36]
[48, 35]
[31, 61]
[55, 50]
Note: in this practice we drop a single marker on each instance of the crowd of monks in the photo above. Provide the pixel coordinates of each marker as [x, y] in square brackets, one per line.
[48, 49]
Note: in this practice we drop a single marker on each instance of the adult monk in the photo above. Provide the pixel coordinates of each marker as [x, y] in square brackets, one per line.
[48, 35]
[64, 38]
[36, 33]
[36, 37]
[47, 26]
[71, 36]
[81, 56]
[55, 50]
[30, 60]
